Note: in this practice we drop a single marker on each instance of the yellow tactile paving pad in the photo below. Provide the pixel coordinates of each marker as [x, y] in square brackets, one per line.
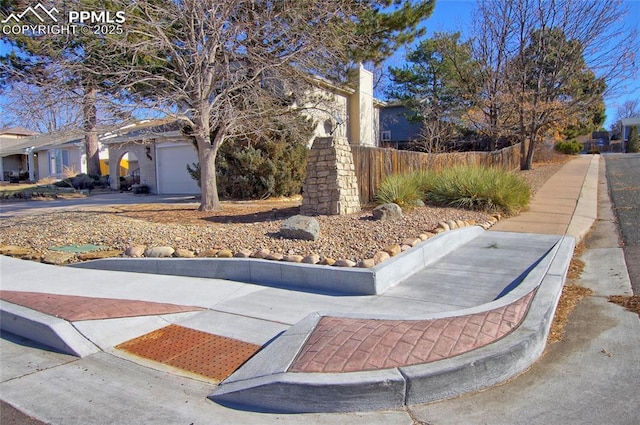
[202, 353]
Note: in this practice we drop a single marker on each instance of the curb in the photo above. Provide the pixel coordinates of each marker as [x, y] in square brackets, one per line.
[586, 211]
[304, 277]
[44, 329]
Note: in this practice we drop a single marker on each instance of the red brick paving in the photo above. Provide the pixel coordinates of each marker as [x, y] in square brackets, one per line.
[74, 308]
[199, 352]
[351, 345]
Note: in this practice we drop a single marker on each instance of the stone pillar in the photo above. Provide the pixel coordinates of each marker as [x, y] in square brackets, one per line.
[331, 186]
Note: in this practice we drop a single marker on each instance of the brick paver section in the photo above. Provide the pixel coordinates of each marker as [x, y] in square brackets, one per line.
[74, 308]
[351, 345]
[198, 352]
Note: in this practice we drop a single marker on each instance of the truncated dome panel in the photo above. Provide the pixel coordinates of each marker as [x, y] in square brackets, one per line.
[195, 351]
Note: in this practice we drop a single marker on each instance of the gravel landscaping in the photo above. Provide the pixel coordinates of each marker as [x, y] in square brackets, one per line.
[240, 226]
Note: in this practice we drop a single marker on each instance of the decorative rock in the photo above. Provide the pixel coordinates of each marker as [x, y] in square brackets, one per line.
[208, 253]
[293, 258]
[387, 212]
[300, 227]
[367, 263]
[184, 253]
[403, 247]
[411, 241]
[425, 236]
[381, 256]
[7, 249]
[392, 250]
[460, 224]
[344, 263]
[135, 251]
[159, 252]
[275, 256]
[96, 255]
[439, 230]
[493, 220]
[243, 253]
[444, 226]
[328, 261]
[224, 253]
[15, 251]
[452, 224]
[261, 253]
[58, 258]
[419, 203]
[311, 259]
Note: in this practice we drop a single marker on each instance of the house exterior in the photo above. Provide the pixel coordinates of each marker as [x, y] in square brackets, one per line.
[13, 159]
[627, 123]
[396, 130]
[162, 152]
[155, 153]
[37, 156]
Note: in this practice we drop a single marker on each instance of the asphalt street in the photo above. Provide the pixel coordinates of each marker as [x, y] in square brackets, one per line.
[623, 176]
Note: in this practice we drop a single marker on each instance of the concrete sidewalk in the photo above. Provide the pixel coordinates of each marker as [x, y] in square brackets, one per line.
[566, 204]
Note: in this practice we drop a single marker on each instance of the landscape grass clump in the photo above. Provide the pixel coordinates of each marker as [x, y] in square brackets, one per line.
[480, 188]
[401, 189]
[467, 187]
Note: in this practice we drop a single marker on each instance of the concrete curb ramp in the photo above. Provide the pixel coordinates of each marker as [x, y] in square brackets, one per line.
[266, 384]
[51, 331]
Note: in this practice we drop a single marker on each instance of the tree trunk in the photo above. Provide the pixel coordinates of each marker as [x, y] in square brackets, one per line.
[207, 153]
[91, 145]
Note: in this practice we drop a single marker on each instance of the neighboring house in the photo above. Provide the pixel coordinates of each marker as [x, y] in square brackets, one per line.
[396, 130]
[627, 123]
[37, 156]
[13, 159]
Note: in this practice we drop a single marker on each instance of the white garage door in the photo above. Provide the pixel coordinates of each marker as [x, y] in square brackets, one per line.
[173, 177]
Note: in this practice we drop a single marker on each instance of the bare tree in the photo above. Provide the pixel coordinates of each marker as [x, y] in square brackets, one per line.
[629, 109]
[549, 63]
[226, 68]
[41, 108]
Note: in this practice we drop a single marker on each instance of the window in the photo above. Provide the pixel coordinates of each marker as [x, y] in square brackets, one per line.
[385, 136]
[59, 160]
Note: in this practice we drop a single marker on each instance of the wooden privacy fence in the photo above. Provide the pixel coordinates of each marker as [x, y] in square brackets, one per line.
[374, 164]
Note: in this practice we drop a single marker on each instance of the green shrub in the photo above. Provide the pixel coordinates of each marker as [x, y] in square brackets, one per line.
[632, 143]
[271, 164]
[569, 147]
[401, 189]
[480, 188]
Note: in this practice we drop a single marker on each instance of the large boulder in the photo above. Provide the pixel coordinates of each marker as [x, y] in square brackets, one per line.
[300, 227]
[387, 212]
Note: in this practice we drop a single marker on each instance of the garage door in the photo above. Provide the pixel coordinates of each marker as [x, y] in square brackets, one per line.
[173, 177]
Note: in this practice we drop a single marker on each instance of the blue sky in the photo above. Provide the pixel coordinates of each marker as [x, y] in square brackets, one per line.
[456, 15]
